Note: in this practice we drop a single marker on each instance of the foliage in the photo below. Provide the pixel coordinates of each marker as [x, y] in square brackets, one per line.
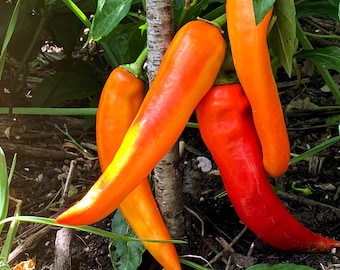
[124, 255]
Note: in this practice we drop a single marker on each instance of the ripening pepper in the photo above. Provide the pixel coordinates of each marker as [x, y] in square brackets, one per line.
[187, 71]
[226, 125]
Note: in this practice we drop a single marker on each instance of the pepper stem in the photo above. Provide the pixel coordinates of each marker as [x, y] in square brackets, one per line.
[136, 68]
[220, 21]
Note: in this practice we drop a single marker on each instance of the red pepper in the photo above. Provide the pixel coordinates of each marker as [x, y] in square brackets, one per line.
[250, 54]
[119, 102]
[187, 71]
[227, 128]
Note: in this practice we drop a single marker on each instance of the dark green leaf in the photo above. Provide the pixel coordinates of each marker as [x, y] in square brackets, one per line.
[178, 4]
[281, 266]
[127, 41]
[4, 190]
[261, 8]
[328, 57]
[125, 254]
[108, 15]
[321, 8]
[65, 28]
[77, 82]
[283, 34]
[183, 16]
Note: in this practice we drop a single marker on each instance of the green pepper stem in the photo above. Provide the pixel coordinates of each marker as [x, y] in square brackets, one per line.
[136, 68]
[220, 20]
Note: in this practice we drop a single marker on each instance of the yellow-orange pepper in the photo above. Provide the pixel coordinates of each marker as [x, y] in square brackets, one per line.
[187, 71]
[251, 58]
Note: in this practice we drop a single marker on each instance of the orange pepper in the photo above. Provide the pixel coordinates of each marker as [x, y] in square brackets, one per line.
[120, 100]
[251, 58]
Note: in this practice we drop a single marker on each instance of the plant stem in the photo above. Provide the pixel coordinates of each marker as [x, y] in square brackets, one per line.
[137, 15]
[220, 20]
[82, 17]
[322, 36]
[136, 68]
[76, 10]
[49, 111]
[112, 57]
[301, 35]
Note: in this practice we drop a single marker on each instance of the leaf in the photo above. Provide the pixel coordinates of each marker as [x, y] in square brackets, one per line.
[69, 83]
[8, 35]
[191, 13]
[108, 15]
[65, 28]
[321, 8]
[328, 57]
[320, 147]
[261, 8]
[4, 190]
[127, 41]
[126, 255]
[283, 35]
[281, 266]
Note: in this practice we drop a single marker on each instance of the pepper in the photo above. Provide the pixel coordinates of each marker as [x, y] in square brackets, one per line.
[119, 102]
[250, 54]
[186, 73]
[227, 129]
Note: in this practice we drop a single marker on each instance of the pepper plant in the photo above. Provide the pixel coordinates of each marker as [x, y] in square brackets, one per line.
[119, 28]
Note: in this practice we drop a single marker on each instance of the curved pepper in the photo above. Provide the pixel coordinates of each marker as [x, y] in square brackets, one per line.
[251, 58]
[226, 125]
[187, 71]
[119, 102]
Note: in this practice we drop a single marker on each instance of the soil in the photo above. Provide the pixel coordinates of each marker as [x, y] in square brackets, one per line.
[45, 162]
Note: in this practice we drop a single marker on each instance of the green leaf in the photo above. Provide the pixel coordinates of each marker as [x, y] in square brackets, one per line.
[108, 15]
[126, 255]
[3, 264]
[281, 266]
[283, 35]
[261, 8]
[127, 41]
[328, 57]
[4, 190]
[320, 8]
[193, 265]
[320, 147]
[75, 82]
[8, 36]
